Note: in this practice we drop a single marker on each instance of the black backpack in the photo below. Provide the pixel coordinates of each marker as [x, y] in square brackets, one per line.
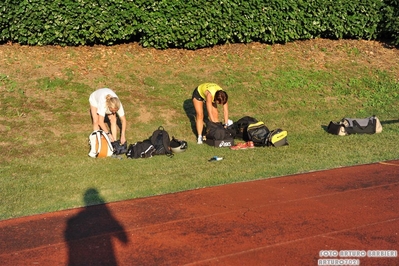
[140, 149]
[161, 141]
[258, 133]
[241, 127]
[217, 131]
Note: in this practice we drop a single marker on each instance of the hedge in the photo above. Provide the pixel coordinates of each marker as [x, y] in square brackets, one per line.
[194, 24]
[68, 22]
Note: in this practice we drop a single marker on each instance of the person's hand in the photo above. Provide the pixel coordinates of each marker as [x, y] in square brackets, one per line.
[123, 140]
[111, 138]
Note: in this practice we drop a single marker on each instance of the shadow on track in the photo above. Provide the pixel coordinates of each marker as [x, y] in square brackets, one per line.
[89, 233]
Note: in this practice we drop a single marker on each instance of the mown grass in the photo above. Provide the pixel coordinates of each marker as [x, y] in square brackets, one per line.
[300, 87]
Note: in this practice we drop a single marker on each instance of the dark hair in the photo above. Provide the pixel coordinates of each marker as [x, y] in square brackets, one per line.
[221, 97]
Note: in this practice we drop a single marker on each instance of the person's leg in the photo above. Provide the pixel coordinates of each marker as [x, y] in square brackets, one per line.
[199, 118]
[94, 117]
[112, 120]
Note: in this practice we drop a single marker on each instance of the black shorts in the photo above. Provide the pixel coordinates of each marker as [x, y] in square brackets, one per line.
[197, 96]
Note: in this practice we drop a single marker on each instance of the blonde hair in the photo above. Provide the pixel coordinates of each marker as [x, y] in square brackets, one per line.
[113, 102]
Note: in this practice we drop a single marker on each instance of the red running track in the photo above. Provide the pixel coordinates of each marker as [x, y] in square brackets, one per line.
[304, 219]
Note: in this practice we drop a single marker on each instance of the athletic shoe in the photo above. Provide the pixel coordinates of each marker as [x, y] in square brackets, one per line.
[250, 144]
[239, 146]
[199, 141]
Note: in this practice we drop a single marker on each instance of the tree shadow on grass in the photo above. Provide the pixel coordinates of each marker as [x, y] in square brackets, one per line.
[89, 233]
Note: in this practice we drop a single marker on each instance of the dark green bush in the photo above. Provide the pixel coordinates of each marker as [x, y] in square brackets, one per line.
[390, 27]
[70, 22]
[351, 19]
[193, 24]
[5, 16]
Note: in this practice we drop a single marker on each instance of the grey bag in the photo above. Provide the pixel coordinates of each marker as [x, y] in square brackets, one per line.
[347, 126]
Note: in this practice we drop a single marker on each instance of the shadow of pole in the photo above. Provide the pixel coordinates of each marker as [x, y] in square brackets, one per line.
[387, 122]
[89, 233]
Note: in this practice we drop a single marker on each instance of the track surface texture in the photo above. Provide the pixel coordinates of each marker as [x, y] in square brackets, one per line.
[344, 215]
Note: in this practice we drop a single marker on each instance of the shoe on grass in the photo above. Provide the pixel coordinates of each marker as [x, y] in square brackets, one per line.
[250, 144]
[239, 146]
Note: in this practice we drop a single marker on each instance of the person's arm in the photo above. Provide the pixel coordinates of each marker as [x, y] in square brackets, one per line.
[101, 123]
[114, 129]
[226, 113]
[123, 129]
[210, 106]
[101, 117]
[104, 127]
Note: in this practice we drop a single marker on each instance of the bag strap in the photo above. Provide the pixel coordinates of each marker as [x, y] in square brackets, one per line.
[165, 136]
[108, 140]
[98, 134]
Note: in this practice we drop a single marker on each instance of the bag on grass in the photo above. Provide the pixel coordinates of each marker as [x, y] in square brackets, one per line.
[100, 145]
[217, 131]
[141, 149]
[177, 145]
[369, 125]
[347, 126]
[241, 126]
[336, 128]
[161, 141]
[258, 133]
[119, 148]
[277, 138]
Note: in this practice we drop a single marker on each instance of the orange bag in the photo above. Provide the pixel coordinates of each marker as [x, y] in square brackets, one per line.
[100, 145]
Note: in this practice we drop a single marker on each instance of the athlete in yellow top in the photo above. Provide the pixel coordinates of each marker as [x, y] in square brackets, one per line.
[212, 94]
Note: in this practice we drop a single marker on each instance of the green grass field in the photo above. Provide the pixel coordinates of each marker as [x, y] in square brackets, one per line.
[299, 87]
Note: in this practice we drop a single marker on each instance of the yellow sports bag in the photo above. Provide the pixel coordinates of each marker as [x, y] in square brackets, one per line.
[277, 138]
[100, 145]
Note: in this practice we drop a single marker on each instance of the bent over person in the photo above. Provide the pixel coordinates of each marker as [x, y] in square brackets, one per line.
[211, 94]
[105, 102]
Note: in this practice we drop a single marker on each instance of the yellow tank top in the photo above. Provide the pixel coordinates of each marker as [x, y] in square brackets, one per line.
[211, 87]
